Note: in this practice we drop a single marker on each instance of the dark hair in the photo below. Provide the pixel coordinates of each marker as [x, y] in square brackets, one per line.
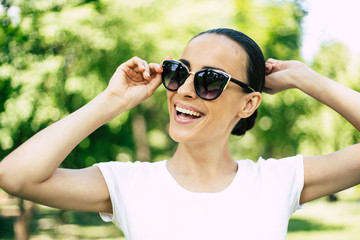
[255, 70]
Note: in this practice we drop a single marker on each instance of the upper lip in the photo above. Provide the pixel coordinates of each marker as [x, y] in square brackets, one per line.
[186, 106]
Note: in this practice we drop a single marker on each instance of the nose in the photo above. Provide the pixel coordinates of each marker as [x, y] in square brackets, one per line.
[188, 89]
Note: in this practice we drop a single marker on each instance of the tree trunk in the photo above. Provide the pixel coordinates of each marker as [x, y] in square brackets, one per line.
[21, 224]
[139, 134]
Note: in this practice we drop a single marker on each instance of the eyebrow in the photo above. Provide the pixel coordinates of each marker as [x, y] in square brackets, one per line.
[187, 63]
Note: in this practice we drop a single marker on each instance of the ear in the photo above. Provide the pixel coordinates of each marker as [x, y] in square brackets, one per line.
[252, 102]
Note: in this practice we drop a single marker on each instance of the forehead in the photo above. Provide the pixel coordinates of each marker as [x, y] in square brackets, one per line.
[213, 50]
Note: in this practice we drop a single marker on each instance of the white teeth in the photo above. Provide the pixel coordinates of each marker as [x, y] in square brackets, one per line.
[187, 111]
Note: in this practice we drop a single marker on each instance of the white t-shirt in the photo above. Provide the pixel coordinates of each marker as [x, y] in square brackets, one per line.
[148, 204]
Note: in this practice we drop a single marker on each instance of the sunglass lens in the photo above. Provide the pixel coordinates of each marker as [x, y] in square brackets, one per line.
[209, 84]
[173, 75]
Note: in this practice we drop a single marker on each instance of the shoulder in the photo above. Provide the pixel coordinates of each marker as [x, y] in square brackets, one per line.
[287, 162]
[283, 168]
[281, 180]
[127, 167]
[123, 175]
[272, 162]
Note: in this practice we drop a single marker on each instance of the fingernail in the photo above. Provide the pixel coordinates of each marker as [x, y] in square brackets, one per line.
[147, 74]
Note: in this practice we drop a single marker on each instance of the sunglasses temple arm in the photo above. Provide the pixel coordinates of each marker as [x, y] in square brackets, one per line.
[243, 85]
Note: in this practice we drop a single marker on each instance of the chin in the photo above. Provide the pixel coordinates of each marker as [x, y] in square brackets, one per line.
[177, 135]
[182, 136]
[189, 135]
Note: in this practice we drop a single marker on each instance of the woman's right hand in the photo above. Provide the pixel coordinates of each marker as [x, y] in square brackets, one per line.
[134, 81]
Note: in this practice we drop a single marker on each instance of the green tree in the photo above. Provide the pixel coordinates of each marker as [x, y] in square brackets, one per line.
[59, 55]
[329, 131]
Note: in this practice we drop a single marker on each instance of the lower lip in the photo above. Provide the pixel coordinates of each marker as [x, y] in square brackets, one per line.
[184, 120]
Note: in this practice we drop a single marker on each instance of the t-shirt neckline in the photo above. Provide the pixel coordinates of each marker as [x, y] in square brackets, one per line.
[173, 182]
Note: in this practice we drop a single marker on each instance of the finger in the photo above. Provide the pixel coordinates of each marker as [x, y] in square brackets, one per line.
[154, 84]
[139, 66]
[268, 68]
[135, 62]
[146, 70]
[167, 58]
[270, 65]
[271, 60]
[155, 68]
[274, 65]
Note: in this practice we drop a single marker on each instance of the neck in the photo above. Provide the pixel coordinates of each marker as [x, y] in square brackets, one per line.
[203, 167]
[208, 159]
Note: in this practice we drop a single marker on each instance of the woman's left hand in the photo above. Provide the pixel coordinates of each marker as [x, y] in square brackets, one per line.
[282, 75]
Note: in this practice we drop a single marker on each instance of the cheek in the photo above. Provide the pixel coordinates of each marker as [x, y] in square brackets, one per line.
[225, 114]
[223, 118]
[169, 96]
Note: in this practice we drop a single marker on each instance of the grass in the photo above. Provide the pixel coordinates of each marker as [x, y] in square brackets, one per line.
[51, 223]
[322, 220]
[73, 225]
[319, 220]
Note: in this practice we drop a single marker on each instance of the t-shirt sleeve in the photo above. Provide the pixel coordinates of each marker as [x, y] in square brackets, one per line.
[118, 177]
[287, 175]
[297, 183]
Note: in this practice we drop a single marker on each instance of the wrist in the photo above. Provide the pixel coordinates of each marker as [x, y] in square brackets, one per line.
[312, 83]
[305, 78]
[109, 106]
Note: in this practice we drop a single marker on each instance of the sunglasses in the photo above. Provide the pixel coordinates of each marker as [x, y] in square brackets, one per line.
[208, 83]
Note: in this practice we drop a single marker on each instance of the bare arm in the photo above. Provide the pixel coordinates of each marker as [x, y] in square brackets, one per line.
[31, 171]
[337, 171]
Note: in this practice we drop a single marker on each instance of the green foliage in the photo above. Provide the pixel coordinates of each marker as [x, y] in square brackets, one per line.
[55, 56]
[331, 132]
[274, 25]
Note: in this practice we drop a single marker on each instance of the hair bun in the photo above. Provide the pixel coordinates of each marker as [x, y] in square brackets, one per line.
[244, 124]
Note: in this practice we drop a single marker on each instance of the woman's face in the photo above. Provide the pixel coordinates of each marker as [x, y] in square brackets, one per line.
[208, 119]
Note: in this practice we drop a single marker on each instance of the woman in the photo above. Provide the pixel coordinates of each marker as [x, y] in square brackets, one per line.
[201, 192]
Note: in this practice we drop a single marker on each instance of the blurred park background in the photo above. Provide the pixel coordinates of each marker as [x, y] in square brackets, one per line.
[55, 56]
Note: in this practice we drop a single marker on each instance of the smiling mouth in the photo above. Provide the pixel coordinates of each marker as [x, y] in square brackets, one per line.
[186, 113]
